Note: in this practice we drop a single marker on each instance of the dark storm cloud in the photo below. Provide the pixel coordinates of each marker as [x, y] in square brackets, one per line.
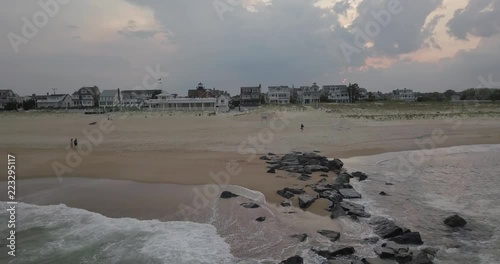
[476, 19]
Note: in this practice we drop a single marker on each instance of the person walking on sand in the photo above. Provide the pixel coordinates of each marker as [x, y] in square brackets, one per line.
[301, 127]
[75, 142]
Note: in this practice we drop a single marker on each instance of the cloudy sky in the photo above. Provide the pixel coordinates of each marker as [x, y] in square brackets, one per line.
[425, 45]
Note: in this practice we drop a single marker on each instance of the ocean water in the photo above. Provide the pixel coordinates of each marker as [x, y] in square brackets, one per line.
[60, 234]
[427, 187]
[430, 185]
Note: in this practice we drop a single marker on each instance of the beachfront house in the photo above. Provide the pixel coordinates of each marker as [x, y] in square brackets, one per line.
[222, 103]
[110, 98]
[137, 98]
[309, 94]
[336, 93]
[278, 95]
[7, 96]
[86, 97]
[250, 96]
[54, 101]
[403, 95]
[166, 101]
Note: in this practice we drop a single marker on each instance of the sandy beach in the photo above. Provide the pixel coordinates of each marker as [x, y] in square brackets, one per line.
[186, 148]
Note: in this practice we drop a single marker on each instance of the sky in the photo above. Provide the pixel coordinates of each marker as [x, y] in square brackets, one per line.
[424, 45]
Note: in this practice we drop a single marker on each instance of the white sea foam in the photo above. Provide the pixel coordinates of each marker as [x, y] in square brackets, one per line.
[58, 234]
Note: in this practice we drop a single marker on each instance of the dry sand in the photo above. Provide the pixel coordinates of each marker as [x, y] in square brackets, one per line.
[185, 149]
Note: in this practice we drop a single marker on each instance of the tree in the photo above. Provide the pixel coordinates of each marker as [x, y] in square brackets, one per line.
[449, 93]
[323, 98]
[29, 104]
[11, 106]
[353, 90]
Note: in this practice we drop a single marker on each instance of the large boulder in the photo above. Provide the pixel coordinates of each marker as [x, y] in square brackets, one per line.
[385, 228]
[330, 234]
[349, 193]
[335, 164]
[391, 250]
[337, 211]
[227, 195]
[342, 178]
[354, 209]
[314, 168]
[293, 260]
[305, 200]
[333, 196]
[411, 238]
[250, 205]
[455, 221]
[285, 194]
[333, 251]
[295, 190]
[300, 237]
[421, 258]
[360, 175]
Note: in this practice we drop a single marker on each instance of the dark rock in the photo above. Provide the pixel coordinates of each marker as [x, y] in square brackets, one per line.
[322, 188]
[315, 168]
[332, 195]
[250, 205]
[333, 251]
[261, 219]
[271, 170]
[305, 200]
[300, 237]
[227, 195]
[370, 240]
[455, 221]
[342, 178]
[323, 175]
[322, 180]
[360, 175]
[313, 162]
[295, 190]
[264, 158]
[385, 228]
[339, 261]
[421, 258]
[388, 183]
[377, 261]
[359, 213]
[347, 186]
[383, 193]
[431, 251]
[384, 253]
[285, 194]
[350, 206]
[271, 154]
[331, 235]
[304, 177]
[335, 164]
[412, 238]
[349, 193]
[293, 260]
[286, 203]
[337, 211]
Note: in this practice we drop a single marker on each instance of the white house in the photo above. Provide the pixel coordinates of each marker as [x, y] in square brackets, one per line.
[336, 93]
[222, 103]
[278, 95]
[404, 95]
[309, 95]
[168, 101]
[110, 98]
[55, 101]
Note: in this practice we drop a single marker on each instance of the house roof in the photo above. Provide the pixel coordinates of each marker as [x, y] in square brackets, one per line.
[108, 93]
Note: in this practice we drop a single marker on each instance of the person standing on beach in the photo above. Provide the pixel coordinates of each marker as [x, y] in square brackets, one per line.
[301, 127]
[75, 142]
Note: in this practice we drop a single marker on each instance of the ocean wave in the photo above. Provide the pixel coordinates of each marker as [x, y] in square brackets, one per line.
[60, 234]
